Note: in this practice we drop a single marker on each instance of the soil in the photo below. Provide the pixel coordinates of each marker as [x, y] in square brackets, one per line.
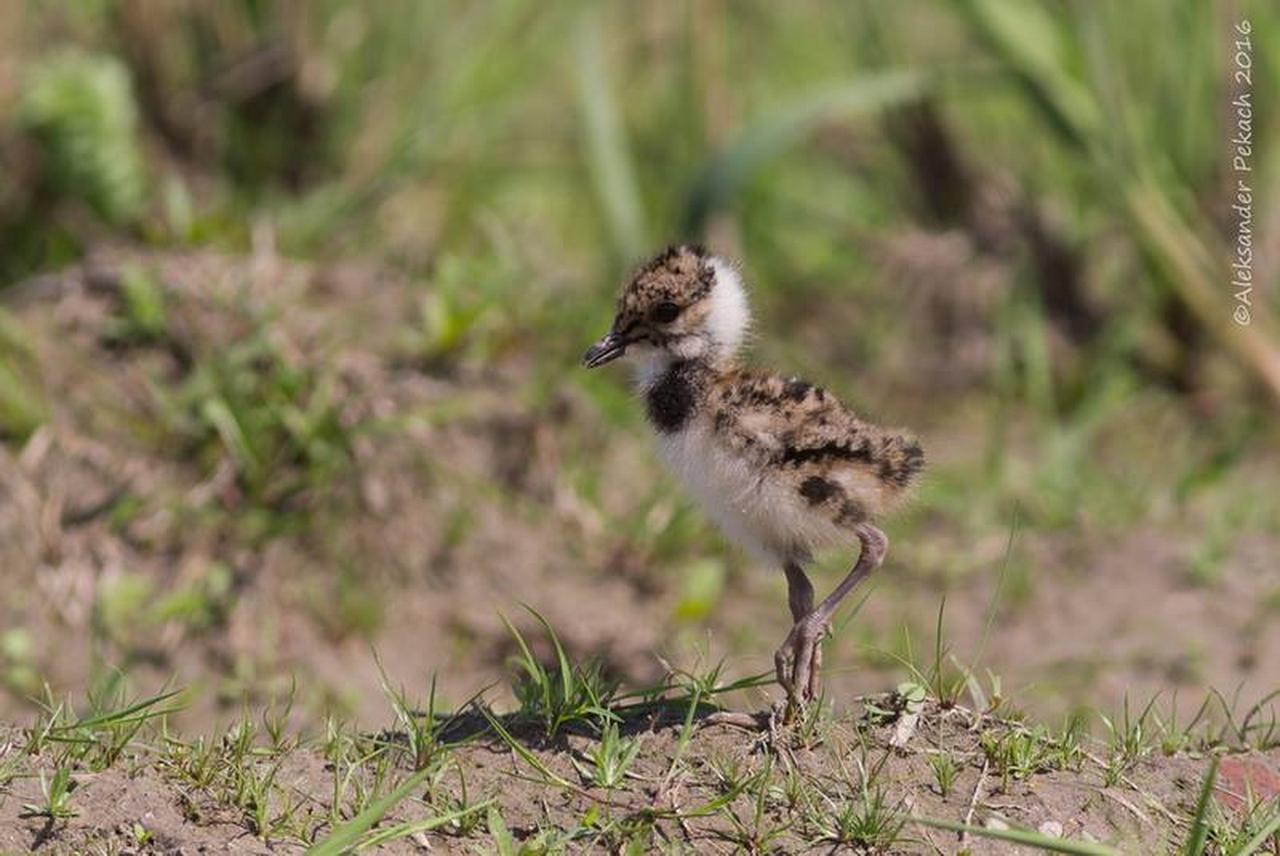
[1147, 811]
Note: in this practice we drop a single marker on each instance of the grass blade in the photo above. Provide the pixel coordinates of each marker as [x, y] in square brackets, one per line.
[767, 137]
[1256, 843]
[1200, 825]
[608, 157]
[1027, 837]
[117, 717]
[1030, 43]
[347, 836]
[528, 757]
[411, 827]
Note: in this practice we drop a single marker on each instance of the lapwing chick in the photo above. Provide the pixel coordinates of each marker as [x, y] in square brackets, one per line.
[784, 468]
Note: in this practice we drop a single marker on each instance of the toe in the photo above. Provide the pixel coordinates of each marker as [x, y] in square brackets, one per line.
[784, 667]
[804, 665]
[808, 657]
[814, 688]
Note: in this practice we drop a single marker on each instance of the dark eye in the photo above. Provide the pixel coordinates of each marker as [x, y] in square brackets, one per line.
[665, 312]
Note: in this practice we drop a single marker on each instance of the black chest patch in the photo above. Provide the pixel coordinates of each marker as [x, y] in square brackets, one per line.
[817, 490]
[673, 399]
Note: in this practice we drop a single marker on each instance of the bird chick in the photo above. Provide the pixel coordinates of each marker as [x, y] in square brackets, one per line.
[784, 468]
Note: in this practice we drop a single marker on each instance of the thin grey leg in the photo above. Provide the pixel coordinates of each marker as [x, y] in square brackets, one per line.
[799, 591]
[808, 631]
[800, 600]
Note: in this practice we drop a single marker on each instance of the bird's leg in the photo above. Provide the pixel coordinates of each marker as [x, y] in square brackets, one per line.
[808, 631]
[800, 599]
[799, 592]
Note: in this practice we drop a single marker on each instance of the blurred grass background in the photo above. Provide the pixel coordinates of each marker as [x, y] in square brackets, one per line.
[1005, 222]
[567, 140]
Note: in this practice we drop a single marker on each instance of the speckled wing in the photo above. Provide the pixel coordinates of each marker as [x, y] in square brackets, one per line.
[802, 437]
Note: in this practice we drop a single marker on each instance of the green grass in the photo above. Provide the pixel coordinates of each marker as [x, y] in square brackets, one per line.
[867, 821]
[274, 421]
[610, 760]
[22, 404]
[143, 317]
[56, 791]
[563, 695]
[352, 836]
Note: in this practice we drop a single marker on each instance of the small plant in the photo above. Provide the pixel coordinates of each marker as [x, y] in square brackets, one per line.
[1259, 728]
[944, 772]
[567, 694]
[273, 420]
[143, 316]
[22, 404]
[1255, 828]
[419, 726]
[1014, 754]
[468, 815]
[611, 758]
[80, 108]
[946, 686]
[867, 821]
[907, 699]
[794, 790]
[276, 721]
[57, 796]
[755, 833]
[635, 839]
[539, 843]
[1019, 752]
[465, 311]
[9, 760]
[729, 770]
[988, 699]
[141, 835]
[1198, 835]
[355, 834]
[99, 738]
[1127, 741]
[254, 786]
[463, 820]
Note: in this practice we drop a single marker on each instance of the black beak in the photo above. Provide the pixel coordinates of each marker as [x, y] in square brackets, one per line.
[606, 350]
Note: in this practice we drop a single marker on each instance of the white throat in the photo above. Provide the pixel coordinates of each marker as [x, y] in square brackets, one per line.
[730, 316]
[650, 364]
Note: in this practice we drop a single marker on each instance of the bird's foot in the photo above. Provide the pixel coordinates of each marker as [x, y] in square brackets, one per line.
[798, 662]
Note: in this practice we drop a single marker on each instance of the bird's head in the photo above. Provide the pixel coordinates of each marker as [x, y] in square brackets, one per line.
[683, 304]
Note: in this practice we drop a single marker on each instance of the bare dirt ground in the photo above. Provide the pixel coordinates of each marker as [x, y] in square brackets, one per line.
[131, 538]
[848, 784]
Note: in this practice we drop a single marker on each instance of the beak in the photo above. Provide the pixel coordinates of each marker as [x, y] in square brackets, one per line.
[606, 350]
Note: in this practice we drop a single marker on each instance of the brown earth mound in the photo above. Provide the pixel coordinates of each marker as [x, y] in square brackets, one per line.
[832, 784]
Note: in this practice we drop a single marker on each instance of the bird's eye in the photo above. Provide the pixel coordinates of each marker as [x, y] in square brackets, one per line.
[665, 312]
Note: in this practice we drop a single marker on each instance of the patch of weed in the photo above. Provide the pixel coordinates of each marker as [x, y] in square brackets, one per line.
[564, 694]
